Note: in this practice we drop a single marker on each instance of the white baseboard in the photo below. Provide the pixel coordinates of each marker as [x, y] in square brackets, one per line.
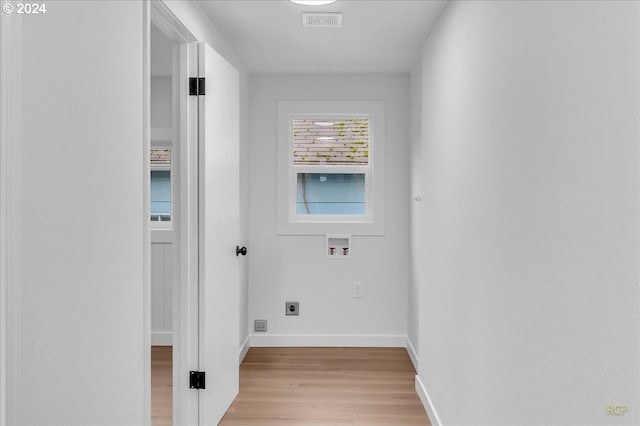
[412, 354]
[337, 340]
[244, 348]
[426, 402]
[161, 338]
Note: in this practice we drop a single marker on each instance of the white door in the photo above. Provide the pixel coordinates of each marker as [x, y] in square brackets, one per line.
[219, 232]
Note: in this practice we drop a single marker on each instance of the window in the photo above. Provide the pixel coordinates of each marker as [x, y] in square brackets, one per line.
[161, 186]
[331, 162]
[327, 155]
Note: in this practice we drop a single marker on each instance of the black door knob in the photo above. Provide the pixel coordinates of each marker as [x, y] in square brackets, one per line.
[241, 251]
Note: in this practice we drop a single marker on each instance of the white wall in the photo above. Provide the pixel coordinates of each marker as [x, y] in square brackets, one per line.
[529, 304]
[194, 18]
[79, 352]
[160, 102]
[415, 253]
[294, 267]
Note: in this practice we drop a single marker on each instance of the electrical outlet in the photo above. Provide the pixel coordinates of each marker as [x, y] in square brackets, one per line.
[292, 308]
[357, 290]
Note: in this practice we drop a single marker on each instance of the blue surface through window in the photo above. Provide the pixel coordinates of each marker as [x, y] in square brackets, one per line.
[330, 194]
[161, 195]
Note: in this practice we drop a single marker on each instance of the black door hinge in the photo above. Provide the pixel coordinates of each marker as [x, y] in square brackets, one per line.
[196, 380]
[196, 86]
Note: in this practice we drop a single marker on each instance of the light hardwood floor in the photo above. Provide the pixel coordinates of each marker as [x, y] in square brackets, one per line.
[320, 387]
[326, 386]
[161, 386]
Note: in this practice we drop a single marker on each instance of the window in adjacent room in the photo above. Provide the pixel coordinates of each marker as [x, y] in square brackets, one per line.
[160, 186]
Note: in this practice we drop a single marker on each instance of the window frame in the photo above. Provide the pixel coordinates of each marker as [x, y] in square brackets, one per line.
[330, 169]
[292, 223]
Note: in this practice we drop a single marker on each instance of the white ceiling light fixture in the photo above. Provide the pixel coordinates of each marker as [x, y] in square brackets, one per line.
[313, 2]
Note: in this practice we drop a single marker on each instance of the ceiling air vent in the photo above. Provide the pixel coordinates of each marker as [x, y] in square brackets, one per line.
[322, 20]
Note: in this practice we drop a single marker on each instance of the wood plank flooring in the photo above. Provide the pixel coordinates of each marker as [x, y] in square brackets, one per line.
[310, 387]
[161, 386]
[326, 386]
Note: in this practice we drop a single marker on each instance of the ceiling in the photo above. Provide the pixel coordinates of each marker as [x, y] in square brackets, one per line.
[376, 36]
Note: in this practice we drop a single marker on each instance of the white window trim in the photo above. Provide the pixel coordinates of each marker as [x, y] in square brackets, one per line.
[373, 222]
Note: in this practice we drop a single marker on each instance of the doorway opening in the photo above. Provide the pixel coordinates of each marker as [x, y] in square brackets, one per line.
[163, 226]
[172, 216]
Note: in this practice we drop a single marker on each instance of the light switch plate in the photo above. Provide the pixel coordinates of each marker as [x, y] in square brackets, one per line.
[357, 290]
